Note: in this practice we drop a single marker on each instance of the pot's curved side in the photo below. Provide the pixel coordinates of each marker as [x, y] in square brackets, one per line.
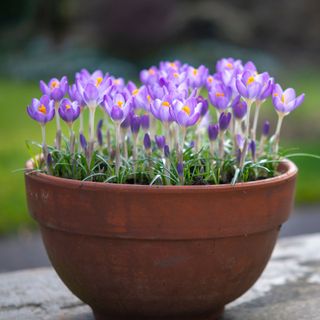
[158, 278]
[161, 213]
[175, 253]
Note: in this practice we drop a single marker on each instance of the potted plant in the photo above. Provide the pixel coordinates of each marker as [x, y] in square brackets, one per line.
[170, 207]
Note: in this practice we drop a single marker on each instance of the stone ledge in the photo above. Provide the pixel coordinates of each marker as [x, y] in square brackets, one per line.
[288, 289]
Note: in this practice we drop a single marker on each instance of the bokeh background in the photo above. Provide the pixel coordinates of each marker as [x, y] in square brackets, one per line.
[42, 39]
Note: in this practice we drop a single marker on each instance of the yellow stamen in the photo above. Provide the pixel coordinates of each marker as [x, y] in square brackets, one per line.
[120, 103]
[219, 94]
[195, 72]
[135, 92]
[98, 81]
[275, 94]
[282, 98]
[68, 106]
[186, 109]
[176, 75]
[42, 109]
[250, 80]
[229, 65]
[151, 71]
[210, 79]
[54, 84]
[149, 98]
[117, 81]
[172, 65]
[165, 104]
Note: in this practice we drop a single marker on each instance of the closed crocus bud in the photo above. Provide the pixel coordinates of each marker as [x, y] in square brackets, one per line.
[252, 147]
[224, 121]
[266, 128]
[147, 141]
[145, 122]
[240, 141]
[135, 124]
[204, 105]
[125, 124]
[192, 144]
[213, 130]
[166, 151]
[160, 141]
[239, 108]
[49, 160]
[83, 142]
[99, 137]
[180, 168]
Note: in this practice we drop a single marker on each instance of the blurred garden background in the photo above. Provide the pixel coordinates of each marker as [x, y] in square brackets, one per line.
[43, 39]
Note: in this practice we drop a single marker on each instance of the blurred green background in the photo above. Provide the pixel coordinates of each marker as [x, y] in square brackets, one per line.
[39, 40]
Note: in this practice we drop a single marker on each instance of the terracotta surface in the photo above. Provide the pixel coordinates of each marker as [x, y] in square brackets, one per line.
[140, 252]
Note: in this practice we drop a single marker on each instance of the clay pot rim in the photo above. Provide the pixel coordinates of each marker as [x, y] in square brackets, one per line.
[287, 167]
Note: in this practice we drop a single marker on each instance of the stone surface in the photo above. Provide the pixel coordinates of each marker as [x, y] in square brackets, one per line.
[288, 289]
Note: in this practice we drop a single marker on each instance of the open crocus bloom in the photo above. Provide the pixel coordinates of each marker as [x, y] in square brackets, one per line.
[55, 89]
[41, 110]
[117, 107]
[285, 101]
[220, 96]
[186, 113]
[248, 85]
[69, 110]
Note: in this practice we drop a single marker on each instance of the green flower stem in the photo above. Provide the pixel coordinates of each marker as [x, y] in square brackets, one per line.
[277, 133]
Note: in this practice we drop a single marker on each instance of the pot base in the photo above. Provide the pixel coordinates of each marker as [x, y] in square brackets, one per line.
[211, 316]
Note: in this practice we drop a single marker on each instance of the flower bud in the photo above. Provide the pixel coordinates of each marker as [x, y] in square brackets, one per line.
[224, 121]
[166, 151]
[213, 131]
[160, 141]
[145, 122]
[147, 141]
[266, 128]
[83, 142]
[135, 124]
[180, 168]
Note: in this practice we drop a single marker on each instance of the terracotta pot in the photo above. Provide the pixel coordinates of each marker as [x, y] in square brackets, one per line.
[160, 252]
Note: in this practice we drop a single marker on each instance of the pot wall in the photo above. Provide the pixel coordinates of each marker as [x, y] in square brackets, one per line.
[159, 251]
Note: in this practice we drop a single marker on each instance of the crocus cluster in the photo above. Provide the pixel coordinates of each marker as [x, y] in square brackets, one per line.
[178, 114]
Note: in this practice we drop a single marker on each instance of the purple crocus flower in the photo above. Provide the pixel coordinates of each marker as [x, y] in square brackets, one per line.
[240, 140]
[83, 142]
[248, 85]
[117, 107]
[69, 111]
[204, 105]
[93, 87]
[75, 95]
[99, 132]
[213, 131]
[135, 124]
[266, 128]
[125, 124]
[224, 121]
[228, 64]
[149, 76]
[160, 108]
[239, 108]
[145, 121]
[252, 148]
[197, 76]
[41, 110]
[185, 113]
[147, 141]
[285, 101]
[160, 141]
[180, 168]
[267, 84]
[56, 89]
[166, 151]
[220, 96]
